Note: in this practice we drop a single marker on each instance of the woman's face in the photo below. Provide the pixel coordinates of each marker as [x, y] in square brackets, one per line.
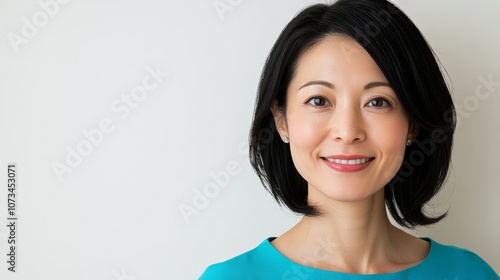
[346, 126]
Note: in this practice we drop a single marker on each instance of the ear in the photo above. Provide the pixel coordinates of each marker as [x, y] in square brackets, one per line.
[413, 131]
[279, 119]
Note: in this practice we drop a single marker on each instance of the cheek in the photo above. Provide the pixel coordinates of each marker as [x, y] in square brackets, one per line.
[390, 138]
[391, 141]
[306, 133]
[395, 132]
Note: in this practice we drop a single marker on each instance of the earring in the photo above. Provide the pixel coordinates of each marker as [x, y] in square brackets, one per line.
[408, 142]
[286, 140]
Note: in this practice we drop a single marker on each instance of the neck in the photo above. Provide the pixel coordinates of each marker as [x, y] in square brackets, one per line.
[348, 236]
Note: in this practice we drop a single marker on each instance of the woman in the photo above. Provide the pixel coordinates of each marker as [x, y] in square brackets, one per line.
[360, 119]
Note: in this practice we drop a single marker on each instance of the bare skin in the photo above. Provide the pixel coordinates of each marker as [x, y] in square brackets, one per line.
[356, 239]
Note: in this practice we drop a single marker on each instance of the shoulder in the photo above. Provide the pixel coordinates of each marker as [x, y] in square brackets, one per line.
[230, 269]
[456, 254]
[460, 261]
[241, 266]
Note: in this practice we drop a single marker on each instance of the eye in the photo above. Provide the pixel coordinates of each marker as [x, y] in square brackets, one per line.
[378, 103]
[317, 101]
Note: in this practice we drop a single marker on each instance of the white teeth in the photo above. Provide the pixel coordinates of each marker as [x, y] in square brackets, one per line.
[348, 161]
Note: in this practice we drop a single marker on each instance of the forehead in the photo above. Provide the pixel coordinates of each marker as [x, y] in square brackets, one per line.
[337, 56]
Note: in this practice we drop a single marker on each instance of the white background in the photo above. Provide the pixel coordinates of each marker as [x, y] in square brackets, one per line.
[116, 214]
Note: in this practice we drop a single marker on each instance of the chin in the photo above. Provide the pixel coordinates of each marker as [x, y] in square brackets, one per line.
[344, 194]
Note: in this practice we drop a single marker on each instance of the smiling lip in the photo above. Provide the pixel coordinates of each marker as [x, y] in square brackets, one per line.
[347, 163]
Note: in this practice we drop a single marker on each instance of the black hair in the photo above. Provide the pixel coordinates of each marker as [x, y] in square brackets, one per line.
[409, 65]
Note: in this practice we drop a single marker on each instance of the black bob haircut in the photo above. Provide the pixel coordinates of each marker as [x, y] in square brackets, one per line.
[408, 63]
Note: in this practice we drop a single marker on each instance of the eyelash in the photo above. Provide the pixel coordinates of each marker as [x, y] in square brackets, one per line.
[387, 103]
[309, 101]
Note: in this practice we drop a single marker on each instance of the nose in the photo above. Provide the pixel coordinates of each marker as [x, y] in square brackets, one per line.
[346, 125]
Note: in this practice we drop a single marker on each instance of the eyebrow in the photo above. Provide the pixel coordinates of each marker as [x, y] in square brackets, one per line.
[377, 84]
[329, 85]
[318, 82]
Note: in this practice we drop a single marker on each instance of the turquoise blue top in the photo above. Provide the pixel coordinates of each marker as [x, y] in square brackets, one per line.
[265, 262]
